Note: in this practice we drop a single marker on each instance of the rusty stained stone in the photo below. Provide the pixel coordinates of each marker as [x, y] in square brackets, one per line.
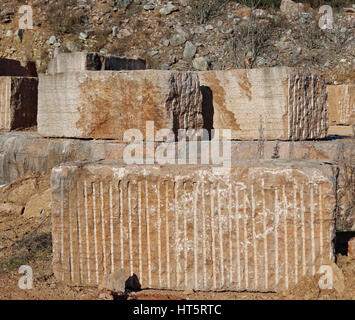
[104, 104]
[18, 102]
[266, 104]
[260, 227]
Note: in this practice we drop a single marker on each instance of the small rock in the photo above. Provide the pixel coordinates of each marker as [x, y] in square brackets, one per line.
[114, 281]
[114, 31]
[83, 35]
[343, 30]
[105, 296]
[220, 23]
[200, 30]
[73, 47]
[123, 3]
[177, 40]
[132, 283]
[124, 33]
[244, 12]
[200, 63]
[190, 50]
[153, 53]
[149, 7]
[168, 9]
[166, 42]
[209, 27]
[9, 33]
[165, 66]
[181, 30]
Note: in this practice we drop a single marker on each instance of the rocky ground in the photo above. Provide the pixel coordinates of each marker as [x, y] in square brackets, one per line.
[25, 239]
[186, 34]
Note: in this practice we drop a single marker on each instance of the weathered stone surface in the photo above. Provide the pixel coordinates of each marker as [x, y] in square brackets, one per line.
[271, 103]
[115, 281]
[15, 68]
[343, 131]
[105, 104]
[341, 100]
[10, 209]
[38, 205]
[18, 102]
[259, 227]
[23, 152]
[92, 61]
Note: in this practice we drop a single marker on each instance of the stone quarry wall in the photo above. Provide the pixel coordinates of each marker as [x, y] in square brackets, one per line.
[261, 227]
[258, 226]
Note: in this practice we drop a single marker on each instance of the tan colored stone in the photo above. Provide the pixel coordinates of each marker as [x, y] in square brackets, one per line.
[38, 205]
[10, 208]
[341, 100]
[266, 104]
[115, 281]
[343, 131]
[18, 102]
[351, 248]
[82, 61]
[261, 226]
[104, 104]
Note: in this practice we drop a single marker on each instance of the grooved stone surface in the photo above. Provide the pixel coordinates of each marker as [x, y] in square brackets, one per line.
[270, 103]
[82, 61]
[341, 99]
[103, 104]
[18, 102]
[260, 227]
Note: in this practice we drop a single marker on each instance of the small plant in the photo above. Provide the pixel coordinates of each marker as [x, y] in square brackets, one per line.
[248, 42]
[32, 246]
[202, 11]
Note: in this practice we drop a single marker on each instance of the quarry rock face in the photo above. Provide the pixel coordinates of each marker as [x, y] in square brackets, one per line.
[266, 104]
[92, 61]
[260, 226]
[341, 100]
[103, 105]
[16, 68]
[18, 102]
